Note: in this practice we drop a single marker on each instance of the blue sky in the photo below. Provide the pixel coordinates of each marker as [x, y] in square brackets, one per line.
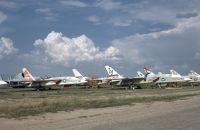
[52, 37]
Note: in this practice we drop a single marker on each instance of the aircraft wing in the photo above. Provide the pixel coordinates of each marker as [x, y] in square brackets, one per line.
[35, 83]
[45, 82]
[149, 80]
[130, 81]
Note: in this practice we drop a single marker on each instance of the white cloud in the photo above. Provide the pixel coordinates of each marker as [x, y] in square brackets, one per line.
[3, 17]
[108, 4]
[187, 15]
[74, 3]
[120, 21]
[140, 12]
[44, 10]
[152, 14]
[47, 13]
[94, 19]
[6, 47]
[8, 4]
[63, 50]
[174, 47]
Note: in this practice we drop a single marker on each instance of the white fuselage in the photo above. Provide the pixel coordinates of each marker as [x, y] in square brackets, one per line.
[70, 80]
[166, 78]
[3, 83]
[194, 78]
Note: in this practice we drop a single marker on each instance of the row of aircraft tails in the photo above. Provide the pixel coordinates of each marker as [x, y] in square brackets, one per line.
[173, 79]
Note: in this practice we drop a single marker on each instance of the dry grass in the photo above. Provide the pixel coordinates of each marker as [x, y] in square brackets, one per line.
[16, 103]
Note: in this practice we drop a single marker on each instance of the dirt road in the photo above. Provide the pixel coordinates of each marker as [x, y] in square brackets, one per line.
[181, 114]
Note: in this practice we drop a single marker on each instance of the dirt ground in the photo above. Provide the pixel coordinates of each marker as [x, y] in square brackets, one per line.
[180, 114]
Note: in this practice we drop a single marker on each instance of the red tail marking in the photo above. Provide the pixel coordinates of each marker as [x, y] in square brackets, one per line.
[27, 75]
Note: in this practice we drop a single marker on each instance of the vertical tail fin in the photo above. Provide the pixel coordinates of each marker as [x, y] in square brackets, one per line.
[77, 74]
[193, 73]
[27, 75]
[173, 72]
[111, 71]
[18, 77]
[148, 72]
[140, 74]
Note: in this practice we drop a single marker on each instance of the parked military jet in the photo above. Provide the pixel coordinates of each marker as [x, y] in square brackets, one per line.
[78, 79]
[38, 83]
[195, 78]
[172, 79]
[116, 79]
